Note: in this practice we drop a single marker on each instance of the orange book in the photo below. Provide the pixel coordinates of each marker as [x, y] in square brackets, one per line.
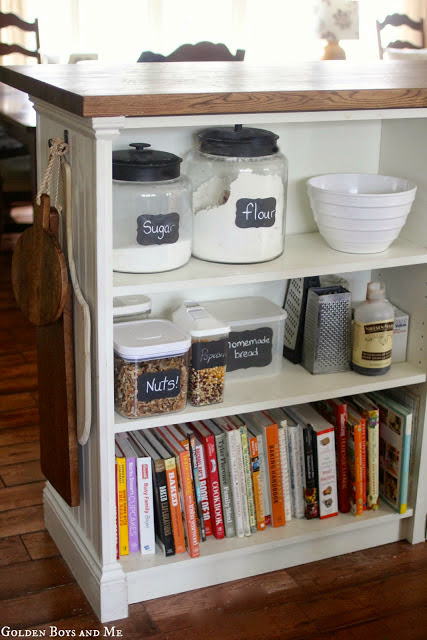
[256, 481]
[275, 471]
[357, 460]
[185, 481]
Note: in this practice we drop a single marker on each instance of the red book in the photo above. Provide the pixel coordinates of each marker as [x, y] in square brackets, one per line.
[335, 411]
[208, 440]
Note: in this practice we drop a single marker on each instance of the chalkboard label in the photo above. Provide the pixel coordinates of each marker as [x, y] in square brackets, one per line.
[158, 229]
[206, 355]
[251, 348]
[255, 212]
[160, 384]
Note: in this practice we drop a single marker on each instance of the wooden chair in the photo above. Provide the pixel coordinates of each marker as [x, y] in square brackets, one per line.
[200, 52]
[11, 20]
[15, 161]
[400, 20]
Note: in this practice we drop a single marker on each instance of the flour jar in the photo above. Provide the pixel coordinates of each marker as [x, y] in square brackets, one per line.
[152, 214]
[239, 180]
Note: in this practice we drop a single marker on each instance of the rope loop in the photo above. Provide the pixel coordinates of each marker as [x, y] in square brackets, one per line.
[58, 149]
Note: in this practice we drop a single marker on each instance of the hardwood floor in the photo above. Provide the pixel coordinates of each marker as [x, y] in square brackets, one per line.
[376, 594]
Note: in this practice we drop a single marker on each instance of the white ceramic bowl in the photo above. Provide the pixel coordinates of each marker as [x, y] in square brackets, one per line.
[360, 212]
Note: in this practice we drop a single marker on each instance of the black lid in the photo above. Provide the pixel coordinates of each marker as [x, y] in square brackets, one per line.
[144, 165]
[238, 141]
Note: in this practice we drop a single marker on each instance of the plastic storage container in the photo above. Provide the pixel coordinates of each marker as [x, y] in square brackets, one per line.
[152, 211]
[239, 181]
[255, 343]
[131, 308]
[150, 368]
[208, 356]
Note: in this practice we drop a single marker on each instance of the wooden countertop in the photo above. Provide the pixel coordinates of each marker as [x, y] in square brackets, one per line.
[221, 87]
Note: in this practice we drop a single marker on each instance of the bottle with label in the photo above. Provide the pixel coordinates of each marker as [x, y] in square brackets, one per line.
[373, 332]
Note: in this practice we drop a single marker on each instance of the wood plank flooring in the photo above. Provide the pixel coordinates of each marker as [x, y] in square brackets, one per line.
[378, 594]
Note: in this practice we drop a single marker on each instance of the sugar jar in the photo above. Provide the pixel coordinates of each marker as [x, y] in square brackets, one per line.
[239, 180]
[152, 215]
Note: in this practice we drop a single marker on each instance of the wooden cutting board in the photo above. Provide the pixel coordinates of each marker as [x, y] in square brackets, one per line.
[39, 270]
[57, 398]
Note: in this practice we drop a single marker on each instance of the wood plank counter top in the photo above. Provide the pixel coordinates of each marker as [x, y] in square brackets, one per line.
[177, 88]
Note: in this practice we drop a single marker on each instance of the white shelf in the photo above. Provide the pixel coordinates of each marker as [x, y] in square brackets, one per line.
[305, 255]
[220, 560]
[293, 386]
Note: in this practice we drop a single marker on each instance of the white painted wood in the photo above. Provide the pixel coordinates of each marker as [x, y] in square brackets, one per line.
[233, 558]
[104, 584]
[293, 386]
[305, 254]
[391, 142]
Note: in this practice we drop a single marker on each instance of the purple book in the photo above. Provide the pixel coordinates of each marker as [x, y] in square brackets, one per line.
[132, 490]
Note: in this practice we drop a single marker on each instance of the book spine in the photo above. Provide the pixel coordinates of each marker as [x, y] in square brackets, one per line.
[197, 488]
[404, 480]
[201, 468]
[275, 473]
[248, 478]
[324, 442]
[284, 460]
[263, 467]
[311, 497]
[295, 459]
[123, 507]
[257, 485]
[189, 505]
[242, 483]
[174, 505]
[234, 475]
[355, 445]
[132, 501]
[372, 470]
[342, 460]
[117, 512]
[214, 490]
[163, 519]
[145, 506]
[225, 484]
[364, 465]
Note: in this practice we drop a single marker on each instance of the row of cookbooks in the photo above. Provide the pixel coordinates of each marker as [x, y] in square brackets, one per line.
[233, 476]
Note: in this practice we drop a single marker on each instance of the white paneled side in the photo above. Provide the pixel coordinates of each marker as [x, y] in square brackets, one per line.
[312, 148]
[407, 288]
[404, 154]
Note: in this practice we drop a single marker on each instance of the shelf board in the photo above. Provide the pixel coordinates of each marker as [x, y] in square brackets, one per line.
[299, 541]
[294, 385]
[305, 254]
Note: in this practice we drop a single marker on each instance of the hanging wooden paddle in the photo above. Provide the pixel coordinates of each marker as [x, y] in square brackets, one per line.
[40, 282]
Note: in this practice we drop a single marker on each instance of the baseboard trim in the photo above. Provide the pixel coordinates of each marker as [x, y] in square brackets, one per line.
[104, 586]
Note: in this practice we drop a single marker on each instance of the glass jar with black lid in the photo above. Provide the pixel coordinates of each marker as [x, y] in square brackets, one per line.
[239, 180]
[152, 211]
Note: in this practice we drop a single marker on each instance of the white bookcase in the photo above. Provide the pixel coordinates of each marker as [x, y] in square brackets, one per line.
[391, 142]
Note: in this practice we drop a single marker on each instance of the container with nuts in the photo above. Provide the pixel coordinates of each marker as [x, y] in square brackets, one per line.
[208, 355]
[150, 368]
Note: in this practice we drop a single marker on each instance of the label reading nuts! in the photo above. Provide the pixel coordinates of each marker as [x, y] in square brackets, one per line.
[160, 384]
[249, 348]
[158, 229]
[255, 212]
[372, 344]
[206, 355]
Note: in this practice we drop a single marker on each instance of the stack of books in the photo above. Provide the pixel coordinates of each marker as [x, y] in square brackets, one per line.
[178, 485]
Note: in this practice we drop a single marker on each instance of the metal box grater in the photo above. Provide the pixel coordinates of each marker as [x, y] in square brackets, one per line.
[295, 303]
[327, 330]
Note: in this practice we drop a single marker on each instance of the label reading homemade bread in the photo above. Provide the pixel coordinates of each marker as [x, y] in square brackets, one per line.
[372, 344]
[251, 348]
[158, 229]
